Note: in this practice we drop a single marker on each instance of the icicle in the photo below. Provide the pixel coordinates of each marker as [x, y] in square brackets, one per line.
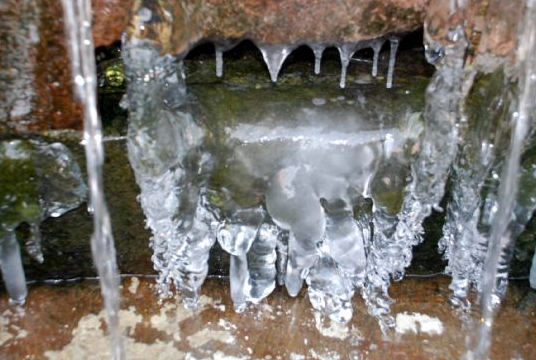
[11, 266]
[500, 241]
[262, 262]
[274, 55]
[33, 244]
[394, 236]
[318, 50]
[282, 256]
[78, 29]
[345, 61]
[219, 61]
[532, 276]
[376, 47]
[392, 59]
[346, 51]
[239, 276]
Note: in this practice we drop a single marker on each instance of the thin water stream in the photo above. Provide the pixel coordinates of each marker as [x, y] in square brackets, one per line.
[501, 238]
[77, 18]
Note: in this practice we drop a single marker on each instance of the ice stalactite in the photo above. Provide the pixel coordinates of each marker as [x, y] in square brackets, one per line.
[262, 259]
[77, 17]
[395, 235]
[393, 41]
[11, 266]
[376, 48]
[219, 62]
[346, 51]
[473, 178]
[500, 241]
[318, 50]
[327, 243]
[532, 276]
[219, 48]
[282, 256]
[163, 146]
[274, 56]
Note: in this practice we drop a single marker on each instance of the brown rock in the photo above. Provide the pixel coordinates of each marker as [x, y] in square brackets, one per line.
[175, 26]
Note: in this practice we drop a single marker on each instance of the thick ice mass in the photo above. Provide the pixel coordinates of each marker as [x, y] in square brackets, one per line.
[335, 200]
[282, 194]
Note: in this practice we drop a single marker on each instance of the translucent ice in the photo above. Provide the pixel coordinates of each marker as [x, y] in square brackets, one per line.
[282, 194]
[392, 59]
[395, 233]
[532, 276]
[346, 51]
[318, 50]
[38, 180]
[219, 62]
[11, 266]
[376, 48]
[274, 56]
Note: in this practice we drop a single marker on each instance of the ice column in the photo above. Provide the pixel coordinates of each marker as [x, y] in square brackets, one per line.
[11, 266]
[318, 50]
[163, 143]
[219, 62]
[376, 48]
[392, 59]
[346, 51]
[394, 237]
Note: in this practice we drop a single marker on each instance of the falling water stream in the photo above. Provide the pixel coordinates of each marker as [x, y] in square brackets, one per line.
[77, 18]
[523, 118]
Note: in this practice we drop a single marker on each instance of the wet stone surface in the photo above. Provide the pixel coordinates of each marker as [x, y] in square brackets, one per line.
[278, 328]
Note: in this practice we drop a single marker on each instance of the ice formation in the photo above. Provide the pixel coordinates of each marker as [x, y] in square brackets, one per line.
[274, 56]
[39, 180]
[289, 203]
[301, 197]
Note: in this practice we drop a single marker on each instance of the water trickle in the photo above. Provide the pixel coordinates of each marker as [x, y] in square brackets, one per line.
[500, 241]
[274, 56]
[77, 18]
[376, 48]
[392, 59]
[318, 50]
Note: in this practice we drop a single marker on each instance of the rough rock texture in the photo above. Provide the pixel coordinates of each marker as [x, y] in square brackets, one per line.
[273, 22]
[35, 75]
[280, 328]
[491, 27]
